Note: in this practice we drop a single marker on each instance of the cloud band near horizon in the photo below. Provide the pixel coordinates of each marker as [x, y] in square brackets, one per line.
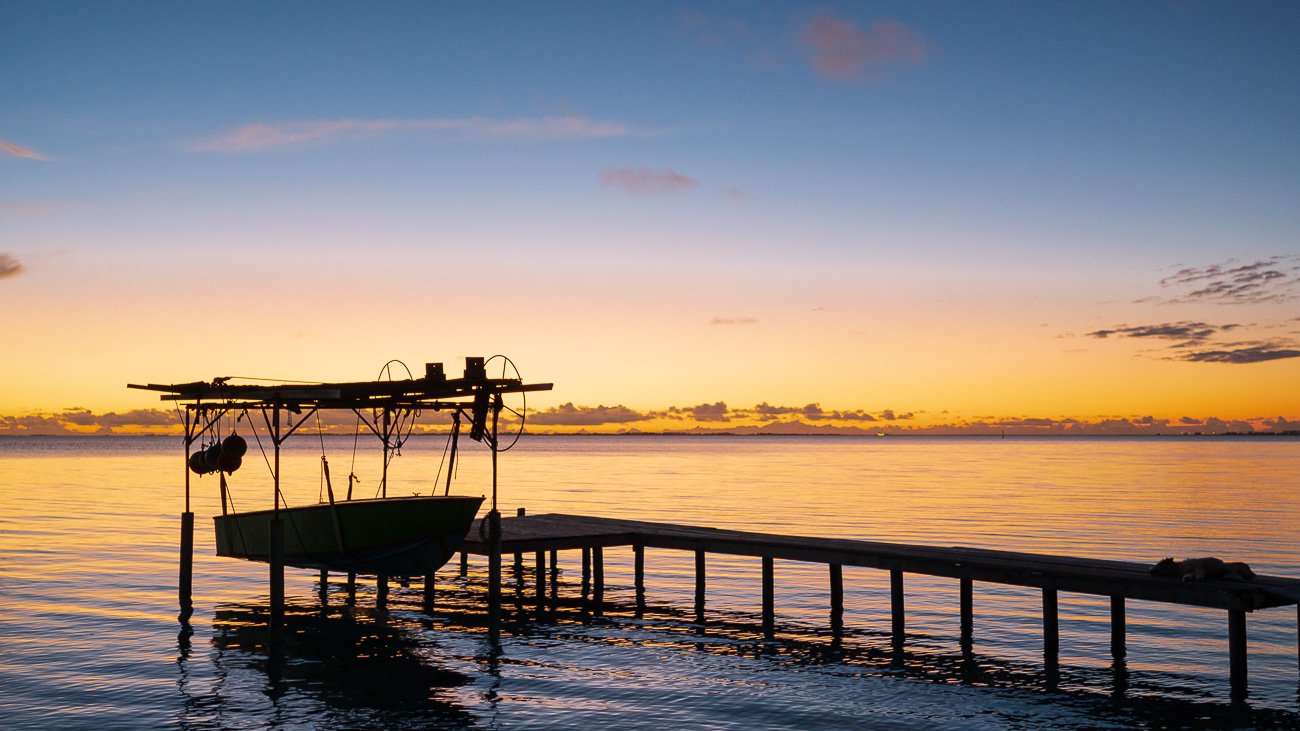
[263, 136]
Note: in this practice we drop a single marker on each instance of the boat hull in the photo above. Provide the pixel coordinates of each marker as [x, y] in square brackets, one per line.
[407, 536]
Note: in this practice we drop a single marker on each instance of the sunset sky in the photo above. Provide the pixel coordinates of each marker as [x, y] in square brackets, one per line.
[910, 215]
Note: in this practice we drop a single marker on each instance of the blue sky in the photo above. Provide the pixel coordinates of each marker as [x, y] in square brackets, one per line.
[947, 163]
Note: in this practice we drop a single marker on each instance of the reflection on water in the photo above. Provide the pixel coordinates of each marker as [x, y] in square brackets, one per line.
[349, 665]
[88, 636]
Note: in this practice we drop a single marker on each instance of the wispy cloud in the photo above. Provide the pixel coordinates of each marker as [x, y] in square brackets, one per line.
[1244, 353]
[10, 148]
[1190, 332]
[261, 136]
[841, 51]
[9, 266]
[1193, 342]
[733, 321]
[1267, 280]
[643, 181]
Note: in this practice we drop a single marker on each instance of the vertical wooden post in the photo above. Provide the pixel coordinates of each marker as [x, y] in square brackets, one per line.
[1051, 631]
[430, 592]
[381, 592]
[967, 613]
[699, 587]
[275, 541]
[837, 597]
[769, 599]
[1118, 630]
[555, 570]
[539, 567]
[494, 572]
[896, 608]
[464, 563]
[598, 578]
[638, 577]
[323, 587]
[586, 573]
[185, 582]
[185, 585]
[1237, 653]
[352, 587]
[519, 557]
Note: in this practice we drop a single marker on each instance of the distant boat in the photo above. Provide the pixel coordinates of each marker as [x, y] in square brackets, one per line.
[404, 536]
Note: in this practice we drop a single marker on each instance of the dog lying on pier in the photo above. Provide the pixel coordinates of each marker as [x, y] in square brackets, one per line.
[1203, 569]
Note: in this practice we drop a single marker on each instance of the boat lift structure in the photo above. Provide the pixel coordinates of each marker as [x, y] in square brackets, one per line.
[386, 407]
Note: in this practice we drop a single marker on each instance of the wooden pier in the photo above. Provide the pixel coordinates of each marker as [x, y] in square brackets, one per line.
[1119, 580]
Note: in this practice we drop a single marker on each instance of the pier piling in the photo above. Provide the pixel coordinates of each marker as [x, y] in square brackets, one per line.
[1051, 631]
[837, 598]
[1237, 653]
[275, 541]
[598, 579]
[769, 599]
[896, 609]
[1118, 630]
[185, 584]
[699, 587]
[381, 592]
[967, 591]
[430, 593]
[638, 577]
[494, 573]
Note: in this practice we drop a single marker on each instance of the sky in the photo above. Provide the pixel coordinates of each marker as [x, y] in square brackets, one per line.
[942, 216]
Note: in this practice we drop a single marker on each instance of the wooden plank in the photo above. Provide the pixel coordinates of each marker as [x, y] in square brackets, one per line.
[1081, 575]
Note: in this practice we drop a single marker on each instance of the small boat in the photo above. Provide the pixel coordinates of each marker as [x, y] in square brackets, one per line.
[383, 536]
[403, 536]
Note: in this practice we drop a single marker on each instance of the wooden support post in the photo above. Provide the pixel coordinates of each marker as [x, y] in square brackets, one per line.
[185, 585]
[967, 601]
[1118, 630]
[699, 587]
[323, 588]
[464, 563]
[896, 608]
[1237, 653]
[638, 577]
[555, 572]
[494, 572]
[769, 599]
[586, 573]
[837, 598]
[381, 592]
[430, 592]
[1051, 631]
[352, 587]
[276, 557]
[598, 579]
[519, 557]
[539, 567]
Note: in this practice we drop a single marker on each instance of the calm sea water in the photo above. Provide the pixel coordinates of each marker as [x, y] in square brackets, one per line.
[89, 636]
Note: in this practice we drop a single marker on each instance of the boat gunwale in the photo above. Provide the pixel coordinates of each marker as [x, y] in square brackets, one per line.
[361, 501]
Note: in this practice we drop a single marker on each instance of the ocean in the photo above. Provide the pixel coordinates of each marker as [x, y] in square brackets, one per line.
[89, 635]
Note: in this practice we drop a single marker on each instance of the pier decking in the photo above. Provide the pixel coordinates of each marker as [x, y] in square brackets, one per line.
[1119, 580]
